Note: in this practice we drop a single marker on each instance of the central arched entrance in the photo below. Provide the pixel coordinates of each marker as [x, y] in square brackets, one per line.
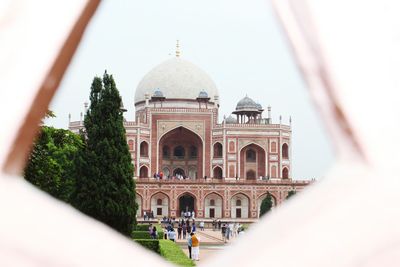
[186, 203]
[181, 151]
[252, 162]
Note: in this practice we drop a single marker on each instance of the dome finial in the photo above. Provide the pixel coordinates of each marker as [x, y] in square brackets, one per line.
[177, 52]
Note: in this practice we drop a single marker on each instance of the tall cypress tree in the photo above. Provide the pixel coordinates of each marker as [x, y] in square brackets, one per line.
[105, 189]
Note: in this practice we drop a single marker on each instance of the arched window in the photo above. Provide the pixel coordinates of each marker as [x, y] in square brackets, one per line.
[251, 155]
[273, 147]
[285, 173]
[179, 152]
[217, 173]
[251, 175]
[212, 202]
[166, 152]
[238, 202]
[166, 171]
[143, 172]
[179, 171]
[159, 201]
[193, 152]
[285, 151]
[217, 150]
[144, 149]
[130, 144]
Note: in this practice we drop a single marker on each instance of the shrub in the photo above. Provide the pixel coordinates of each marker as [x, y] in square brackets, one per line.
[160, 235]
[145, 235]
[291, 193]
[141, 235]
[141, 227]
[174, 254]
[151, 244]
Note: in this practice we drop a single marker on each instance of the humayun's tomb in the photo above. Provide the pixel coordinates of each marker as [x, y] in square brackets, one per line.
[219, 170]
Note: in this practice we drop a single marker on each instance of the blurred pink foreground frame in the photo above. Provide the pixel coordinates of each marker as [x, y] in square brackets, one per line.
[348, 52]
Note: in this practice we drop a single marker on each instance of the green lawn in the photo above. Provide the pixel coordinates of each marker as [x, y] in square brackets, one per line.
[166, 248]
[173, 253]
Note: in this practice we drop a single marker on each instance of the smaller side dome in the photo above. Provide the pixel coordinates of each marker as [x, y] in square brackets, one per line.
[259, 106]
[230, 120]
[247, 104]
[203, 94]
[158, 93]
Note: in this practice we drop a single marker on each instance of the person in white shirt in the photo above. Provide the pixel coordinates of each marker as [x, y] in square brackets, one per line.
[201, 226]
[172, 235]
[235, 229]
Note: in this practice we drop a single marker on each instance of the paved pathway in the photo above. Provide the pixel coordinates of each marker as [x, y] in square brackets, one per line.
[210, 244]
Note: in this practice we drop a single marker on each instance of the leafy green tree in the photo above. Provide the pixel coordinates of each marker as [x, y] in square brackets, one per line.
[266, 204]
[105, 189]
[290, 194]
[50, 163]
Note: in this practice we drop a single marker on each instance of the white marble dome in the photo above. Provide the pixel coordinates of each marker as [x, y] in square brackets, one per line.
[178, 79]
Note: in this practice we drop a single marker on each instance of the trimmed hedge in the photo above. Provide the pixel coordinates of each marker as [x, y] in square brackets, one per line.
[174, 254]
[145, 227]
[141, 227]
[168, 250]
[151, 244]
[145, 235]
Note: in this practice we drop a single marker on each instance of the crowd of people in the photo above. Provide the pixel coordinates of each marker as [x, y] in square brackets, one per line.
[148, 215]
[178, 176]
[185, 229]
[230, 230]
[188, 214]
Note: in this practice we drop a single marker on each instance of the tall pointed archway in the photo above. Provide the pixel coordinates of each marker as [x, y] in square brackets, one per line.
[185, 152]
[252, 162]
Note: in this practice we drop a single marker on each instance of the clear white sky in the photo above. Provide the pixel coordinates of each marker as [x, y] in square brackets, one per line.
[238, 43]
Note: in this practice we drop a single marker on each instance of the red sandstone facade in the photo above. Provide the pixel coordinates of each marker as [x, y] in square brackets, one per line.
[228, 167]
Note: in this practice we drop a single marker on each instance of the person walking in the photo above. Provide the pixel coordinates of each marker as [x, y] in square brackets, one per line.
[227, 231]
[189, 243]
[154, 233]
[184, 230]
[194, 227]
[223, 233]
[195, 247]
[235, 229]
[165, 233]
[180, 231]
[201, 226]
[231, 229]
